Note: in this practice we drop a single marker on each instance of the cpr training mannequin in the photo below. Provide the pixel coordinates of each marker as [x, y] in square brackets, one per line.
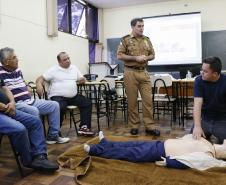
[180, 153]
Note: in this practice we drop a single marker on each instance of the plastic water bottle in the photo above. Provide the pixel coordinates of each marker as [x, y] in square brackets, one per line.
[189, 74]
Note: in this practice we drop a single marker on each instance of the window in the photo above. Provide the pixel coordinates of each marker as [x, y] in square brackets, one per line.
[72, 17]
[63, 23]
[78, 19]
[81, 19]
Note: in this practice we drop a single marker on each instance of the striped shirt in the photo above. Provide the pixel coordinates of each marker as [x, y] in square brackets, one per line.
[15, 82]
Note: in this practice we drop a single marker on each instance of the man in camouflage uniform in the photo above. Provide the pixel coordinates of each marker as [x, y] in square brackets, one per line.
[136, 50]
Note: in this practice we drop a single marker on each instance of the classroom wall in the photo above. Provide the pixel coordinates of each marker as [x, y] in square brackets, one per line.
[116, 22]
[23, 26]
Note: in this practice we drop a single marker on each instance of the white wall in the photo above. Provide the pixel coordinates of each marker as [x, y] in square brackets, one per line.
[116, 21]
[23, 26]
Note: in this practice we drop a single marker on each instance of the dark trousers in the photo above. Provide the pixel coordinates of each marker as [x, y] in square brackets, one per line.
[133, 151]
[84, 104]
[216, 128]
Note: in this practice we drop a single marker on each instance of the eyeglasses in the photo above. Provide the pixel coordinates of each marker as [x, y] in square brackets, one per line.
[65, 59]
[12, 58]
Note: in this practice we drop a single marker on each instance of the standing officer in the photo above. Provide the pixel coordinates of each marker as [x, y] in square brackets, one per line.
[136, 50]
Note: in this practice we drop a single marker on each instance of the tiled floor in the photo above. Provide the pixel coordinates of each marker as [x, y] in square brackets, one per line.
[8, 169]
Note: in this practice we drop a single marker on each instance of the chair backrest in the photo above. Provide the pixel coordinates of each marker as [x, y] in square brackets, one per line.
[166, 78]
[32, 88]
[161, 81]
[110, 80]
[120, 89]
[45, 93]
[46, 85]
[106, 91]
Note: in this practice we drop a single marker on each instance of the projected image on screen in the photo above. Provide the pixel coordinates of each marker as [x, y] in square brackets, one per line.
[175, 38]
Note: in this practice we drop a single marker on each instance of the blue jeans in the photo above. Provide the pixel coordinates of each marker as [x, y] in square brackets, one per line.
[44, 107]
[26, 132]
[216, 128]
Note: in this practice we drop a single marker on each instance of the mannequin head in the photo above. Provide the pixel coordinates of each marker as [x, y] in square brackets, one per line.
[220, 150]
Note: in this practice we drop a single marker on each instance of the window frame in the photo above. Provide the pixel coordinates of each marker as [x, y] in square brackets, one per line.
[69, 17]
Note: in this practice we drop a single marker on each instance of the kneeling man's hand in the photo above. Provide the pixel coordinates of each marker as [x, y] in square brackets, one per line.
[198, 132]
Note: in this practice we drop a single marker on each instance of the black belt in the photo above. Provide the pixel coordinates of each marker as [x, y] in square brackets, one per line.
[135, 67]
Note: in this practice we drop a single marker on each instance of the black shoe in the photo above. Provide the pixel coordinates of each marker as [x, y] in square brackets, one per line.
[134, 131]
[153, 132]
[41, 163]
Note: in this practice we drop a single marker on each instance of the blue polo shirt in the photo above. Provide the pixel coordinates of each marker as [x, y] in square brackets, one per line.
[214, 97]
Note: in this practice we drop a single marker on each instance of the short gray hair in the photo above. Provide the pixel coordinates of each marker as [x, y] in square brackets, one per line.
[5, 53]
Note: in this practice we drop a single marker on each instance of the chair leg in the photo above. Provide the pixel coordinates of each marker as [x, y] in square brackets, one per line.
[0, 140]
[72, 118]
[124, 109]
[70, 115]
[17, 158]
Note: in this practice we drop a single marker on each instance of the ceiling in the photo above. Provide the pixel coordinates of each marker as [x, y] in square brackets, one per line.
[121, 3]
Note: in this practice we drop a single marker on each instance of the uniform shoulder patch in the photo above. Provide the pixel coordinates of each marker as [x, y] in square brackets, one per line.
[126, 36]
[124, 39]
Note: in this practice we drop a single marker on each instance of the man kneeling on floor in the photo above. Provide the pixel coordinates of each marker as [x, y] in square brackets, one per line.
[180, 153]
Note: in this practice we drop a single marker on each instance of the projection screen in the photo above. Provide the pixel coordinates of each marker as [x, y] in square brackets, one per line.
[176, 38]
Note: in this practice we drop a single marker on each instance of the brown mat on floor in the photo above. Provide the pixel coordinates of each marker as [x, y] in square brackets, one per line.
[99, 171]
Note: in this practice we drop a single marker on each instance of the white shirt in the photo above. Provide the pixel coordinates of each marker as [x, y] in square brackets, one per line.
[199, 160]
[62, 81]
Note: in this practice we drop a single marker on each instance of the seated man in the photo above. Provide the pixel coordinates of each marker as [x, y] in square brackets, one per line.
[62, 80]
[180, 153]
[26, 132]
[13, 78]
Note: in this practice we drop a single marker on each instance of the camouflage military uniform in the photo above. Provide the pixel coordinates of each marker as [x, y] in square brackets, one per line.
[137, 78]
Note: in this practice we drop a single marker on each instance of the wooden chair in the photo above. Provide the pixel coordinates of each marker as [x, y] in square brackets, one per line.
[16, 154]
